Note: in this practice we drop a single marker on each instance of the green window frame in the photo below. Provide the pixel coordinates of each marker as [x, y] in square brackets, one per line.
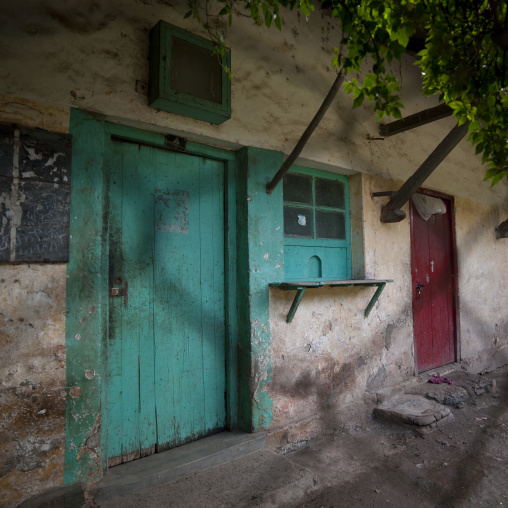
[317, 225]
[181, 64]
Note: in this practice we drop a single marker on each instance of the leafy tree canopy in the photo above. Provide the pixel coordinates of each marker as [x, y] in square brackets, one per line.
[463, 59]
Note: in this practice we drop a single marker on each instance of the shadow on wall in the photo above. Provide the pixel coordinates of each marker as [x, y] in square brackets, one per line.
[490, 337]
[317, 386]
[483, 327]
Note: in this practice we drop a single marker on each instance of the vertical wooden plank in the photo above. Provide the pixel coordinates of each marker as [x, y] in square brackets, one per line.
[141, 295]
[195, 287]
[442, 296]
[230, 294]
[114, 350]
[212, 285]
[168, 353]
[422, 317]
[219, 289]
[206, 233]
[438, 289]
[133, 201]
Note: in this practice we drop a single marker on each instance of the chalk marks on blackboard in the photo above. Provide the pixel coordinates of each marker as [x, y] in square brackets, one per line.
[35, 176]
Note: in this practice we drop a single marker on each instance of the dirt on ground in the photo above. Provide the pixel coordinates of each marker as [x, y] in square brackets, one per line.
[464, 463]
[461, 464]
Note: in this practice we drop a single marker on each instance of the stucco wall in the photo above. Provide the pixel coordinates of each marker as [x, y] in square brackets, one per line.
[330, 359]
[483, 285]
[57, 55]
[94, 56]
[32, 366]
[32, 343]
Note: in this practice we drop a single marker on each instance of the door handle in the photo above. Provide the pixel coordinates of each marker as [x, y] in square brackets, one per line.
[419, 288]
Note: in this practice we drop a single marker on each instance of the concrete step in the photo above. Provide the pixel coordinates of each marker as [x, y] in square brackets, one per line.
[176, 463]
[263, 479]
[169, 466]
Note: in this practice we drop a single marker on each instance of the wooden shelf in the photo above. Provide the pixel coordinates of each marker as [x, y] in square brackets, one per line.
[301, 286]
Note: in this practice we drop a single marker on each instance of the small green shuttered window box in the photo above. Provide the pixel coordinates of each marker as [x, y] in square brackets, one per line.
[186, 78]
[317, 238]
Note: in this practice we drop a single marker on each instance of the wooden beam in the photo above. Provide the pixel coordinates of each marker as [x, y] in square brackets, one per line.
[502, 230]
[307, 134]
[382, 194]
[416, 120]
[392, 212]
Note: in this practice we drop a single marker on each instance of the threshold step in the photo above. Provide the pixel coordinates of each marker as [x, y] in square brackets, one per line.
[171, 465]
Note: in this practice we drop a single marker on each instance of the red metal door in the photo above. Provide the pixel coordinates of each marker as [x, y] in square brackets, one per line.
[432, 262]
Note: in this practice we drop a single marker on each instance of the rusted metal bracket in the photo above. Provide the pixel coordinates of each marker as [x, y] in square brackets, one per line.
[502, 230]
[392, 212]
[417, 120]
[307, 134]
[301, 287]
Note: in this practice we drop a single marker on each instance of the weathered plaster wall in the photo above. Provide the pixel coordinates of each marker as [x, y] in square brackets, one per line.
[331, 360]
[32, 392]
[95, 56]
[260, 253]
[32, 359]
[483, 285]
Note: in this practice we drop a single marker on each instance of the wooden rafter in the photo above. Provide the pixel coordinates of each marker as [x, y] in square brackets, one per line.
[392, 212]
[416, 120]
[307, 134]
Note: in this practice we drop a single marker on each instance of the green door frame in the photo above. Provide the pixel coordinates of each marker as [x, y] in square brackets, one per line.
[87, 288]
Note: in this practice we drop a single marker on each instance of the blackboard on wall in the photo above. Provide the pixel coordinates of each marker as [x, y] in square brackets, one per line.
[35, 177]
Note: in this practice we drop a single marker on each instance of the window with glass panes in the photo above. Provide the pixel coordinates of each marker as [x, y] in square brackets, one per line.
[317, 243]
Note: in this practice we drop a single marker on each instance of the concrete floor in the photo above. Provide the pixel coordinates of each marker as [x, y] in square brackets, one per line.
[461, 464]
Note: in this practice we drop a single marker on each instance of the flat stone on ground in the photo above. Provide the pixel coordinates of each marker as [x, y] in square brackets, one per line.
[449, 395]
[412, 410]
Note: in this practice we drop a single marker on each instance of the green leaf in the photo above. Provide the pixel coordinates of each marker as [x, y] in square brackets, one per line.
[396, 113]
[461, 119]
[358, 100]
[496, 179]
[369, 80]
[278, 22]
[479, 148]
[403, 38]
[473, 126]
[490, 173]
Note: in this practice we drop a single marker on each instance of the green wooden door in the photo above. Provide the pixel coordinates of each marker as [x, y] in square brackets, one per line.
[166, 348]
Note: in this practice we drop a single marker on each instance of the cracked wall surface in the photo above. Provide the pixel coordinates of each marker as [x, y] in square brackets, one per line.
[329, 363]
[32, 392]
[33, 354]
[313, 375]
